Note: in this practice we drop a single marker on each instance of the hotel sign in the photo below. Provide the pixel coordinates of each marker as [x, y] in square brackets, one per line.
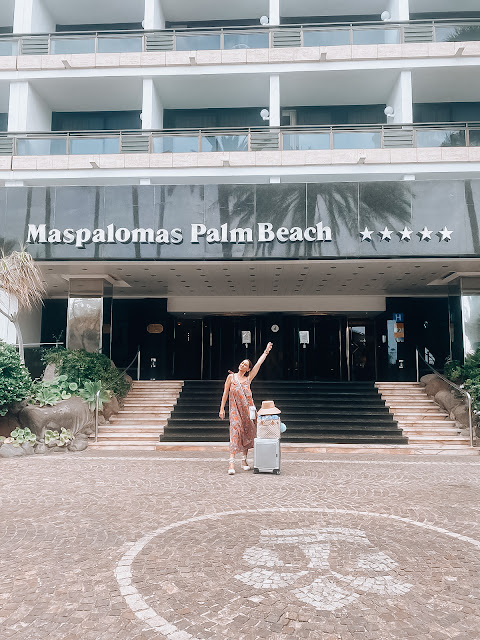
[262, 232]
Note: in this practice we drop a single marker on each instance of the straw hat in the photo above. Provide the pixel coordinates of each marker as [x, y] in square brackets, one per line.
[268, 408]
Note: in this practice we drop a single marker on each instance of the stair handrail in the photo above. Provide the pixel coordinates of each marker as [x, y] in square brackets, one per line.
[455, 386]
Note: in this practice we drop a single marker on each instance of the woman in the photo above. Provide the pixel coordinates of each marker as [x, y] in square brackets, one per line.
[242, 426]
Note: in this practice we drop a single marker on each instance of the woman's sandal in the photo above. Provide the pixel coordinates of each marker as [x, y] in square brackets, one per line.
[231, 472]
[245, 465]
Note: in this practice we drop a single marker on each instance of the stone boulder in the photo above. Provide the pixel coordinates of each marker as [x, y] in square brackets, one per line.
[428, 378]
[447, 400]
[434, 386]
[8, 423]
[110, 408]
[10, 451]
[128, 378]
[79, 444]
[50, 373]
[460, 413]
[41, 448]
[28, 448]
[72, 414]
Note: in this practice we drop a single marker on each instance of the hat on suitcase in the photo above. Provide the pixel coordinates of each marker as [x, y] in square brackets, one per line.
[268, 408]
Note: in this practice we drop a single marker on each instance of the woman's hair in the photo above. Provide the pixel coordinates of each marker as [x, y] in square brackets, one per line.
[250, 366]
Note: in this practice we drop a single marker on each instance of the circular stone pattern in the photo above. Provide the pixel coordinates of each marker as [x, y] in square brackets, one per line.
[302, 573]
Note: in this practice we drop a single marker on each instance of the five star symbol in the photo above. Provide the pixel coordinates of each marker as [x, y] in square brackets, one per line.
[425, 234]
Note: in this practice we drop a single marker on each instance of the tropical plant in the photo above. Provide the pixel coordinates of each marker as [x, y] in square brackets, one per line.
[54, 438]
[20, 279]
[19, 437]
[15, 382]
[90, 391]
[467, 375]
[50, 392]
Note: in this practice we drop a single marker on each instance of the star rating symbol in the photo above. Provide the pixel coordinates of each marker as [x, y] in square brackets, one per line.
[366, 235]
[406, 234]
[426, 234]
[446, 234]
[386, 234]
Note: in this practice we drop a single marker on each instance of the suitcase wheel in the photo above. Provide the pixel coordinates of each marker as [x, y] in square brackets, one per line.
[256, 471]
[276, 472]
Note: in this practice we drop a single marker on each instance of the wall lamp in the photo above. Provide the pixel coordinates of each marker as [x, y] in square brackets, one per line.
[264, 20]
[386, 16]
[265, 114]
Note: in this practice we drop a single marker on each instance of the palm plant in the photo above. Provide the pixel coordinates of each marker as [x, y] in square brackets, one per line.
[21, 279]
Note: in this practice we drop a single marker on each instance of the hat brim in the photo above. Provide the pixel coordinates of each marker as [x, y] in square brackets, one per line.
[268, 412]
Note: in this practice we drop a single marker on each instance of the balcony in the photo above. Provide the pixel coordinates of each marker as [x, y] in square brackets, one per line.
[216, 39]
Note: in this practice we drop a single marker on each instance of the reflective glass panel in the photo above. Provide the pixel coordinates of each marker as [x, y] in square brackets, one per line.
[326, 38]
[245, 41]
[440, 138]
[120, 45]
[85, 146]
[357, 140]
[72, 45]
[197, 42]
[305, 141]
[41, 147]
[175, 144]
[225, 143]
[457, 34]
[376, 36]
[8, 47]
[475, 137]
[84, 324]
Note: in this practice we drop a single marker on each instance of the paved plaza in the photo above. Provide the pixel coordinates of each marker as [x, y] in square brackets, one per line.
[147, 546]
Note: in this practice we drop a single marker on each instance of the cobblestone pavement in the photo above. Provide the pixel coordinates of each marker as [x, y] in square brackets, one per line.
[143, 546]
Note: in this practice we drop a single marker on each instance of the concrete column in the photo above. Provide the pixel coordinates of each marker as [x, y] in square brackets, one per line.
[274, 107]
[274, 12]
[399, 9]
[27, 111]
[401, 99]
[8, 304]
[152, 107]
[154, 17]
[31, 16]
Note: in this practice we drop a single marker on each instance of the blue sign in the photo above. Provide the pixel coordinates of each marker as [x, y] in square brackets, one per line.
[398, 317]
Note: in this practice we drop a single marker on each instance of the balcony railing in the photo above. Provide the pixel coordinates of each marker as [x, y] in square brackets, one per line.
[309, 35]
[244, 139]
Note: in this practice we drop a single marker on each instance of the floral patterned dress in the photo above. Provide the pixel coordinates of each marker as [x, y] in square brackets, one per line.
[242, 428]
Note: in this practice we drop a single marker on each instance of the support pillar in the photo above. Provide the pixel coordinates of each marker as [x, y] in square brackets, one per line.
[401, 100]
[154, 17]
[27, 111]
[32, 16]
[274, 107]
[399, 10]
[8, 304]
[152, 107]
[85, 314]
[274, 12]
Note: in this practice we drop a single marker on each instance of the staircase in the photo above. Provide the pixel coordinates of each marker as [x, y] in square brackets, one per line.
[314, 412]
[421, 419]
[142, 418]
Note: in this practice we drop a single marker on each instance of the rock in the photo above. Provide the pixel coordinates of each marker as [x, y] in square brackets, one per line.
[460, 414]
[8, 423]
[10, 451]
[79, 444]
[101, 419]
[110, 408]
[60, 449]
[436, 385]
[72, 414]
[426, 379]
[447, 400]
[15, 408]
[28, 448]
[41, 448]
[128, 378]
[50, 373]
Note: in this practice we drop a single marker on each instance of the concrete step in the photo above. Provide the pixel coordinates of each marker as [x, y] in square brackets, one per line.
[129, 437]
[122, 446]
[139, 424]
[143, 413]
[120, 428]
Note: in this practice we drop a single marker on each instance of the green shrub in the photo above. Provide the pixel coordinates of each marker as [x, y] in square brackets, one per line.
[453, 370]
[15, 382]
[81, 367]
[89, 394]
[58, 439]
[467, 375]
[49, 392]
[19, 437]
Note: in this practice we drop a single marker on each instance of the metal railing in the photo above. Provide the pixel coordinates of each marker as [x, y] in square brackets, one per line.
[234, 38]
[419, 357]
[291, 138]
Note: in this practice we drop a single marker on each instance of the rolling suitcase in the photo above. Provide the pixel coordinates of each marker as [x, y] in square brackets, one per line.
[266, 455]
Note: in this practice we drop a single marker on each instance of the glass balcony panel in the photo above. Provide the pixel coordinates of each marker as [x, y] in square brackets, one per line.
[459, 33]
[305, 141]
[41, 146]
[475, 137]
[326, 37]
[72, 45]
[376, 36]
[87, 146]
[197, 42]
[245, 41]
[225, 143]
[440, 138]
[8, 47]
[357, 140]
[175, 144]
[120, 45]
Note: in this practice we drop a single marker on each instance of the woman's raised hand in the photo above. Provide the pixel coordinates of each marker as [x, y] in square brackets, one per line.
[269, 347]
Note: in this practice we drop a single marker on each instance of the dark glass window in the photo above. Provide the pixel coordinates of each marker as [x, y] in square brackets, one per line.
[95, 120]
[330, 19]
[204, 118]
[447, 112]
[120, 26]
[343, 114]
[3, 121]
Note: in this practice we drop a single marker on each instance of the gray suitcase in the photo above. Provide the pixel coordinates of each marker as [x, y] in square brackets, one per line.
[266, 455]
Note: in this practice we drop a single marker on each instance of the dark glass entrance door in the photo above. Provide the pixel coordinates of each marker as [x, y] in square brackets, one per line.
[361, 350]
[187, 349]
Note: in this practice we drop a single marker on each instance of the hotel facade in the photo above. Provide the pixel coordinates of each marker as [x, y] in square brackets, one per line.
[196, 179]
